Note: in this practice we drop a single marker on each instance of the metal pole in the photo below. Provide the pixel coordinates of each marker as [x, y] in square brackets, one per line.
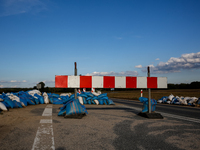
[75, 73]
[149, 110]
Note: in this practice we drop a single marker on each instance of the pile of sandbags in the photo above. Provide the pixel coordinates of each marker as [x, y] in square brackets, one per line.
[34, 97]
[171, 99]
[97, 99]
[21, 99]
[84, 98]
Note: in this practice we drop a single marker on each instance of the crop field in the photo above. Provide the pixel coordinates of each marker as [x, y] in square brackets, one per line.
[155, 94]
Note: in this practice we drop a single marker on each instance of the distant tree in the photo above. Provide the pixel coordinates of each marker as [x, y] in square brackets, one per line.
[195, 85]
[42, 85]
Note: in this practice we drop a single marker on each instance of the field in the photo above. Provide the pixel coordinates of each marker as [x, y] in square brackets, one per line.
[155, 94]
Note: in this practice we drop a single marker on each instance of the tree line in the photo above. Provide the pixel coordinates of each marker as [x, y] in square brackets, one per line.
[192, 85]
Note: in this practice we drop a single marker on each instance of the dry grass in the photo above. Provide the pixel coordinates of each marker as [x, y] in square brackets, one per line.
[155, 94]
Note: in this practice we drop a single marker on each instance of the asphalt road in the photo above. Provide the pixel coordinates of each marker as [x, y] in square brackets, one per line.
[186, 111]
[113, 127]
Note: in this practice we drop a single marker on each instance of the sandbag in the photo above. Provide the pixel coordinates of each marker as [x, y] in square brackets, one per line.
[3, 107]
[40, 98]
[14, 97]
[65, 94]
[80, 99]
[62, 111]
[75, 110]
[84, 100]
[110, 102]
[32, 92]
[95, 93]
[96, 102]
[146, 104]
[6, 105]
[23, 100]
[100, 101]
[46, 99]
[10, 103]
[102, 95]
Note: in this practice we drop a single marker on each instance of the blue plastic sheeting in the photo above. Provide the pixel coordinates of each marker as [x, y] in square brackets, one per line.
[145, 102]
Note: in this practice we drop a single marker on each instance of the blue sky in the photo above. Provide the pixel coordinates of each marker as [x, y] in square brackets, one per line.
[43, 38]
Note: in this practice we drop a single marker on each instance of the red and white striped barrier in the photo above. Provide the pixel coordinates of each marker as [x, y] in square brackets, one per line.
[63, 81]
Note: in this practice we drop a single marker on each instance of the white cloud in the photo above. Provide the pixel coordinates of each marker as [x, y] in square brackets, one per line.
[186, 61]
[118, 38]
[13, 81]
[138, 66]
[1, 86]
[14, 7]
[112, 73]
[157, 58]
[48, 81]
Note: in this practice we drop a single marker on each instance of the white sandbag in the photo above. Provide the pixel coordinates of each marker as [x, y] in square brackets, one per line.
[168, 102]
[32, 92]
[96, 101]
[1, 100]
[46, 98]
[159, 101]
[99, 92]
[23, 104]
[187, 98]
[14, 97]
[3, 107]
[170, 97]
[194, 98]
[80, 99]
[95, 93]
[65, 94]
[183, 102]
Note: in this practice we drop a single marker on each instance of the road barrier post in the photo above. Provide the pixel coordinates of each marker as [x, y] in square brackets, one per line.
[75, 73]
[149, 108]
